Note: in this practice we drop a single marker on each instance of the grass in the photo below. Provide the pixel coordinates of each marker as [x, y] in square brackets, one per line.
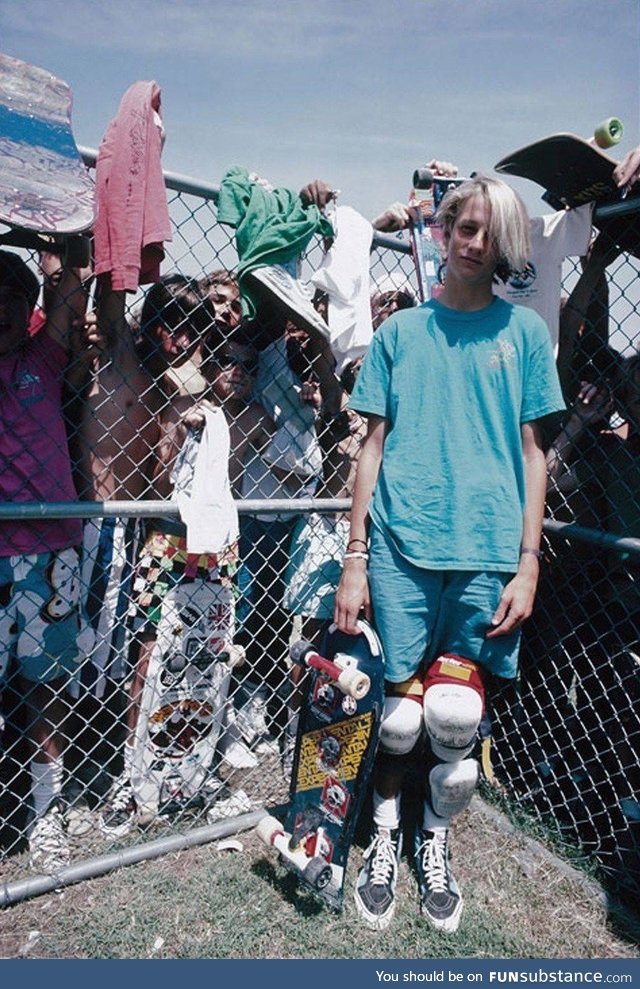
[207, 903]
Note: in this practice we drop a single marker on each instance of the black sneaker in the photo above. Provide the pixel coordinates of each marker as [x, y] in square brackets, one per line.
[440, 899]
[376, 885]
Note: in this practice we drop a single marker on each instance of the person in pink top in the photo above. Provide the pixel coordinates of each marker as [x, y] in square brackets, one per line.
[39, 580]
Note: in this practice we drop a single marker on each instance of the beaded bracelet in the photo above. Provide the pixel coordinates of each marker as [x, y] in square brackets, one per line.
[533, 552]
[356, 556]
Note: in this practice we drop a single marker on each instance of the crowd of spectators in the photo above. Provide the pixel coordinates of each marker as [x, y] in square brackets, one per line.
[100, 406]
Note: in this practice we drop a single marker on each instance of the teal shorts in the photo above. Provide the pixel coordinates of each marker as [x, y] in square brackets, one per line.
[39, 617]
[315, 566]
[420, 614]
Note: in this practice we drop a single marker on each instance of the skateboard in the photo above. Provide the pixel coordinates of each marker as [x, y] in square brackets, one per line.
[573, 171]
[425, 234]
[183, 706]
[335, 747]
[46, 192]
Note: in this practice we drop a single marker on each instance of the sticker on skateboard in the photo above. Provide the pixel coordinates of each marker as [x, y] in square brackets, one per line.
[46, 191]
[335, 747]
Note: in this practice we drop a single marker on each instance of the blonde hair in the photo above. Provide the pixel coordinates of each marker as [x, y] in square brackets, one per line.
[508, 225]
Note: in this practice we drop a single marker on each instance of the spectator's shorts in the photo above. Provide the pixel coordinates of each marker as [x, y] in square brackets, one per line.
[39, 621]
[109, 550]
[318, 545]
[420, 614]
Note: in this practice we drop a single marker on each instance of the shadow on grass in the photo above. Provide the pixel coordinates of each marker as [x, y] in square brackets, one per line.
[288, 887]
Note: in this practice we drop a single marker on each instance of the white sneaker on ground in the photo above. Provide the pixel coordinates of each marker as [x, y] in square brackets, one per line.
[48, 843]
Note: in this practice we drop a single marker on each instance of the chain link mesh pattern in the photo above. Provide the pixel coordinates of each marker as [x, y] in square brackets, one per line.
[565, 734]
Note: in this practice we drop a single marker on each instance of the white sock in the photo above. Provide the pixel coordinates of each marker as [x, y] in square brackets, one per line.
[431, 821]
[386, 811]
[46, 783]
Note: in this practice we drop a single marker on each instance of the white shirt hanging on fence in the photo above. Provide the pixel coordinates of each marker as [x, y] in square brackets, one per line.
[344, 275]
[201, 486]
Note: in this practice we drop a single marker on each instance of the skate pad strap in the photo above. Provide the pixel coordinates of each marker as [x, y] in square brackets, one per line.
[450, 668]
[412, 689]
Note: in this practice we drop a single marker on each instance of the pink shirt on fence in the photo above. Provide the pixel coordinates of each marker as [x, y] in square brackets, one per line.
[132, 218]
[34, 455]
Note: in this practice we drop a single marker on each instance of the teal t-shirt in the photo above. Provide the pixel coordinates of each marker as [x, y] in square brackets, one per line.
[455, 388]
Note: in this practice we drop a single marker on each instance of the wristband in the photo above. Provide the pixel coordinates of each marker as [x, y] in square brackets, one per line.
[356, 556]
[532, 552]
[363, 542]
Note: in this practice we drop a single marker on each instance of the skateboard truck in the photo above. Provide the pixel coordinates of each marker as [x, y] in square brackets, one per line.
[342, 670]
[438, 185]
[73, 249]
[313, 869]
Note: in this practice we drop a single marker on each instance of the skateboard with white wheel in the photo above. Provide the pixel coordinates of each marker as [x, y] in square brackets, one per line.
[343, 697]
[183, 707]
[46, 191]
[425, 234]
[574, 171]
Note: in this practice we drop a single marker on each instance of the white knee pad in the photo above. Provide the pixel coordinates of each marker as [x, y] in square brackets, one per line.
[452, 786]
[452, 714]
[401, 725]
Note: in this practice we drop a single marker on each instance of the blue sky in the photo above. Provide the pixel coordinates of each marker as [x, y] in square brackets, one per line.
[355, 91]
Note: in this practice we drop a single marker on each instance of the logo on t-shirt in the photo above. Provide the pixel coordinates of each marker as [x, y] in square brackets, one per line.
[28, 388]
[504, 355]
[520, 280]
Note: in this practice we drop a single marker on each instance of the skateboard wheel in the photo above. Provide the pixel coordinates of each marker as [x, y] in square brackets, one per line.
[317, 873]
[354, 683]
[268, 828]
[608, 132]
[422, 178]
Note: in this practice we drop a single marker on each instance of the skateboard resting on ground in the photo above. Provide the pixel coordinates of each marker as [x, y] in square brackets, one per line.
[46, 192]
[335, 747]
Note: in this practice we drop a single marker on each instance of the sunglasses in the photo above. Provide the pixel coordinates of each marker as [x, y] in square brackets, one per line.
[227, 361]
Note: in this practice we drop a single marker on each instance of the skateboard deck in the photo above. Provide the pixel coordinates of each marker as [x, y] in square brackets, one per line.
[335, 748]
[46, 191]
[574, 172]
[184, 699]
[425, 235]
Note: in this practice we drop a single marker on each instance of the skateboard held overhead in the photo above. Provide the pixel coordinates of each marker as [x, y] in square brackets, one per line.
[425, 235]
[46, 192]
[573, 171]
[335, 747]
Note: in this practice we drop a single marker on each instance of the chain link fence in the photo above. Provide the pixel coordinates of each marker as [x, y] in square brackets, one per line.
[176, 725]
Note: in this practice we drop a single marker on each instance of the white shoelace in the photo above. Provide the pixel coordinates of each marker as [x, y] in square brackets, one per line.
[434, 863]
[48, 839]
[383, 861]
[122, 795]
